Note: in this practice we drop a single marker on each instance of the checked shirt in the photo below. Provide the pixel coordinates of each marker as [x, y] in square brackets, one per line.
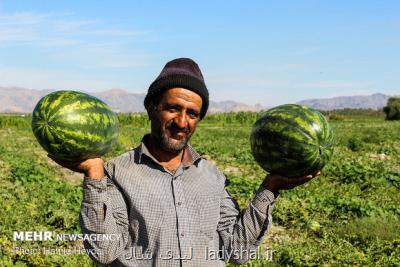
[186, 218]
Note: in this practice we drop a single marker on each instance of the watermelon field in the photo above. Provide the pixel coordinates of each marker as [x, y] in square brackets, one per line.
[348, 216]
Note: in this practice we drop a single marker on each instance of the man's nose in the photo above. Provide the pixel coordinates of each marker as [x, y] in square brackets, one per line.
[181, 120]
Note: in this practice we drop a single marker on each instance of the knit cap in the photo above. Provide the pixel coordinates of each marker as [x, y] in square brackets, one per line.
[180, 72]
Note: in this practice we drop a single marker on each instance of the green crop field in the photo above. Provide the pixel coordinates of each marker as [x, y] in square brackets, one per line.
[348, 216]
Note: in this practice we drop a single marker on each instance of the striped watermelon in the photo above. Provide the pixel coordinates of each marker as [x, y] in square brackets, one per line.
[74, 126]
[292, 140]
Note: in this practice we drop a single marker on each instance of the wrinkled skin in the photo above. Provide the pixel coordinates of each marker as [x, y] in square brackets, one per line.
[174, 119]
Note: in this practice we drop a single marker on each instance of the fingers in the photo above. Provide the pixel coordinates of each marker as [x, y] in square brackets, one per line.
[317, 173]
[275, 182]
[302, 180]
[310, 176]
[299, 181]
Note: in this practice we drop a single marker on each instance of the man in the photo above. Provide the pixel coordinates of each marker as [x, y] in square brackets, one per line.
[167, 205]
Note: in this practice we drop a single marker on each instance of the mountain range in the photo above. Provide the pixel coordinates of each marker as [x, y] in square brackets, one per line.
[374, 101]
[22, 100]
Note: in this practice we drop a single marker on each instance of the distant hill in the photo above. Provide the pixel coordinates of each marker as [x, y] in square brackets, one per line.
[22, 100]
[374, 101]
[122, 101]
[228, 106]
[19, 100]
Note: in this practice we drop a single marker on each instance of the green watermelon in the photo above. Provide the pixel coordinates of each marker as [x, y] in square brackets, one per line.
[292, 140]
[74, 126]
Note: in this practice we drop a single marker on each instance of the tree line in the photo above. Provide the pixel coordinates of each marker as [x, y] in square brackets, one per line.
[392, 109]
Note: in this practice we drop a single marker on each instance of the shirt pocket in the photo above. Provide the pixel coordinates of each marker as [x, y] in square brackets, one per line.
[208, 208]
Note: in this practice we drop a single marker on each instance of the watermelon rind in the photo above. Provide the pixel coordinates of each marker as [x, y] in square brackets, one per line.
[74, 126]
[292, 140]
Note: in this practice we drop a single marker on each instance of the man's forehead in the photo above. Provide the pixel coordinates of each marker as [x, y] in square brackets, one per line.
[181, 94]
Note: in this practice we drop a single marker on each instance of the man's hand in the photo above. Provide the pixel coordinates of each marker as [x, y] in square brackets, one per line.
[92, 168]
[274, 182]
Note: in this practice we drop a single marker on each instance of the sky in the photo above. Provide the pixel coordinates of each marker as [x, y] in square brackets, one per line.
[265, 52]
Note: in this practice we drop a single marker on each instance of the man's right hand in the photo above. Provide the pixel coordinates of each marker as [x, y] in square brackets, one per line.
[92, 168]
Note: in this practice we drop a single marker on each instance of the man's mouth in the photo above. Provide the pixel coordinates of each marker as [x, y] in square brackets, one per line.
[178, 133]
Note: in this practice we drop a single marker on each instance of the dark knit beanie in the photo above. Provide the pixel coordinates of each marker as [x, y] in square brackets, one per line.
[180, 72]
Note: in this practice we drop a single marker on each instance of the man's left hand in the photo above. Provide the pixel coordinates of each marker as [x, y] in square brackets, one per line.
[275, 182]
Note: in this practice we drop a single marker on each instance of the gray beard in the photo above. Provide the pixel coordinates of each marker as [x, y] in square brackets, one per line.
[169, 145]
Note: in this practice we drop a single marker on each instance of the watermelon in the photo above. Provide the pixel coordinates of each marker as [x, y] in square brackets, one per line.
[74, 126]
[292, 140]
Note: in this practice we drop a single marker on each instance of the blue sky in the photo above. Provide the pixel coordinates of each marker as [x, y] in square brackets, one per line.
[267, 52]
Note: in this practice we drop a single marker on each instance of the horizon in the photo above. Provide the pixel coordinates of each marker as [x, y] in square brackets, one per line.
[220, 101]
[266, 53]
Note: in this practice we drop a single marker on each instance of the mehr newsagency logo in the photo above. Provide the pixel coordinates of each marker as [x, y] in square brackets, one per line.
[51, 236]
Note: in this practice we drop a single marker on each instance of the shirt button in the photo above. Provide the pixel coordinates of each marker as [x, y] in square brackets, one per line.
[182, 234]
[179, 203]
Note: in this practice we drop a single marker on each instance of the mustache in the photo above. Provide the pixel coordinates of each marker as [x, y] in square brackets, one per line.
[175, 127]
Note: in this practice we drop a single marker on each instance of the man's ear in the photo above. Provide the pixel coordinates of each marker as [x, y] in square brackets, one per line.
[151, 108]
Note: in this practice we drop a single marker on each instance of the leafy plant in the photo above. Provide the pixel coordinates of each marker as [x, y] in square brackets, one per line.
[392, 109]
[348, 216]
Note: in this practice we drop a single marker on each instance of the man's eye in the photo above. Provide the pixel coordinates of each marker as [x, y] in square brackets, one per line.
[194, 115]
[172, 109]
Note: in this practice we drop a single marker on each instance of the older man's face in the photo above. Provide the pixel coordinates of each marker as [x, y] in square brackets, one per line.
[174, 119]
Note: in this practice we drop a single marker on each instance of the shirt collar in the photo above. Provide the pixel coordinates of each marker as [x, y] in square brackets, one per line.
[190, 156]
